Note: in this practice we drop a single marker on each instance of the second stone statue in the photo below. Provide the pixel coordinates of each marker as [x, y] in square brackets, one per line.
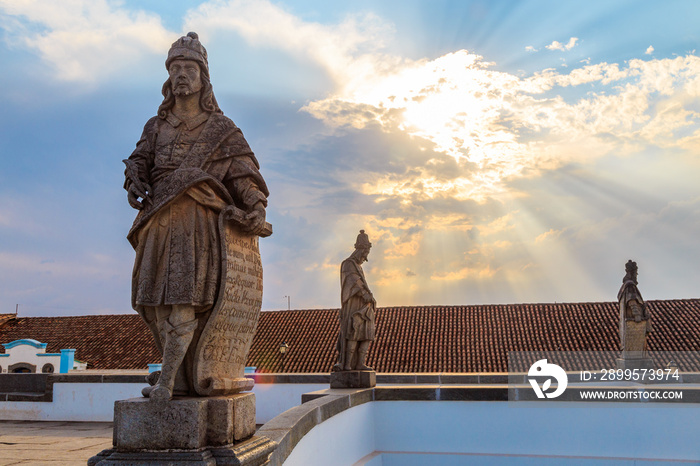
[357, 321]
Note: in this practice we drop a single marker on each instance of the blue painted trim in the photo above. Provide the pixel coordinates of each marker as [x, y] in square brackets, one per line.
[4, 355]
[48, 354]
[154, 367]
[26, 341]
[67, 359]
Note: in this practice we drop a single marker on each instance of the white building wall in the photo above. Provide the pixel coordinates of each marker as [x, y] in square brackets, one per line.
[21, 353]
[72, 402]
[29, 354]
[95, 401]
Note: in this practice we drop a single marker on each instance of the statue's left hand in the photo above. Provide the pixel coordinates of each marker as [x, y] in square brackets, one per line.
[255, 220]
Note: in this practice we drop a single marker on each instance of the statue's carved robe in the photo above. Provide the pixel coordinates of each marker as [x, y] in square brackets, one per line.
[357, 316]
[195, 169]
[633, 309]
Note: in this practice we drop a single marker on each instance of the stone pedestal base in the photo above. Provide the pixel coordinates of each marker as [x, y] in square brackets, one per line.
[353, 379]
[186, 431]
[252, 452]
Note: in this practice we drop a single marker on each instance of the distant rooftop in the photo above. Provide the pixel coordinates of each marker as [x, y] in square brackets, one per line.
[474, 338]
[5, 317]
[103, 341]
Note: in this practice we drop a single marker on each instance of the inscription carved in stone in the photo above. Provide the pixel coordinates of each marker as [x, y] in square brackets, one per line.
[222, 351]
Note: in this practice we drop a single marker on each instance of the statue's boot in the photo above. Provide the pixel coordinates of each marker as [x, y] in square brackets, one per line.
[152, 378]
[362, 357]
[350, 355]
[339, 346]
[179, 388]
[176, 343]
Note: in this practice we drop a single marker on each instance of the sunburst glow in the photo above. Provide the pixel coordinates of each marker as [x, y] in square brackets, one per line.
[502, 126]
[493, 153]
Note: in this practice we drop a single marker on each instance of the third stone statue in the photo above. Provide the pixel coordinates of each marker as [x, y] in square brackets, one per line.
[197, 279]
[635, 323]
[635, 320]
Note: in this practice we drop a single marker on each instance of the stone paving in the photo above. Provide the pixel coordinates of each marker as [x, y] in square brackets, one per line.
[52, 443]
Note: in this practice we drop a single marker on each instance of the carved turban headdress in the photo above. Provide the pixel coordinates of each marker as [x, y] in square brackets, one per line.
[362, 241]
[188, 48]
[631, 271]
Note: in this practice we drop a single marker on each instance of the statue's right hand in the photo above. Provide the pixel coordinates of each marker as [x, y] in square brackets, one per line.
[133, 198]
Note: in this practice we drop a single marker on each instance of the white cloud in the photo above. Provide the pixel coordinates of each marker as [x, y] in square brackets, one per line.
[465, 273]
[84, 40]
[530, 48]
[503, 126]
[548, 235]
[556, 45]
[649, 50]
[348, 47]
[495, 129]
[85, 283]
[13, 263]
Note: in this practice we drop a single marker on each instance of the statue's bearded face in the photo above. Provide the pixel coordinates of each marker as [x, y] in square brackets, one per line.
[185, 77]
[365, 254]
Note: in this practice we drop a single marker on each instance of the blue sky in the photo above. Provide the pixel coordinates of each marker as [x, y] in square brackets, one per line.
[494, 151]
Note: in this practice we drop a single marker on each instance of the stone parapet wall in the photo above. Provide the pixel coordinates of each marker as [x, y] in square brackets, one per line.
[39, 387]
[62, 397]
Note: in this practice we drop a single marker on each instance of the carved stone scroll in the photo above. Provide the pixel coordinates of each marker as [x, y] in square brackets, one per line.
[221, 354]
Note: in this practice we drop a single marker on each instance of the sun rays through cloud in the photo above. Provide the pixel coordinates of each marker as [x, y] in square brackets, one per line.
[488, 162]
[499, 128]
[503, 126]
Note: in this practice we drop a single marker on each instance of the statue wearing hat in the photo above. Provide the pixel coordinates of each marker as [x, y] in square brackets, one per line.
[635, 324]
[357, 314]
[195, 183]
[635, 319]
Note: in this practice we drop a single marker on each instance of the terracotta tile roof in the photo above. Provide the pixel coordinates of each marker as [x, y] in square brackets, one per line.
[103, 341]
[468, 338]
[4, 318]
[409, 339]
